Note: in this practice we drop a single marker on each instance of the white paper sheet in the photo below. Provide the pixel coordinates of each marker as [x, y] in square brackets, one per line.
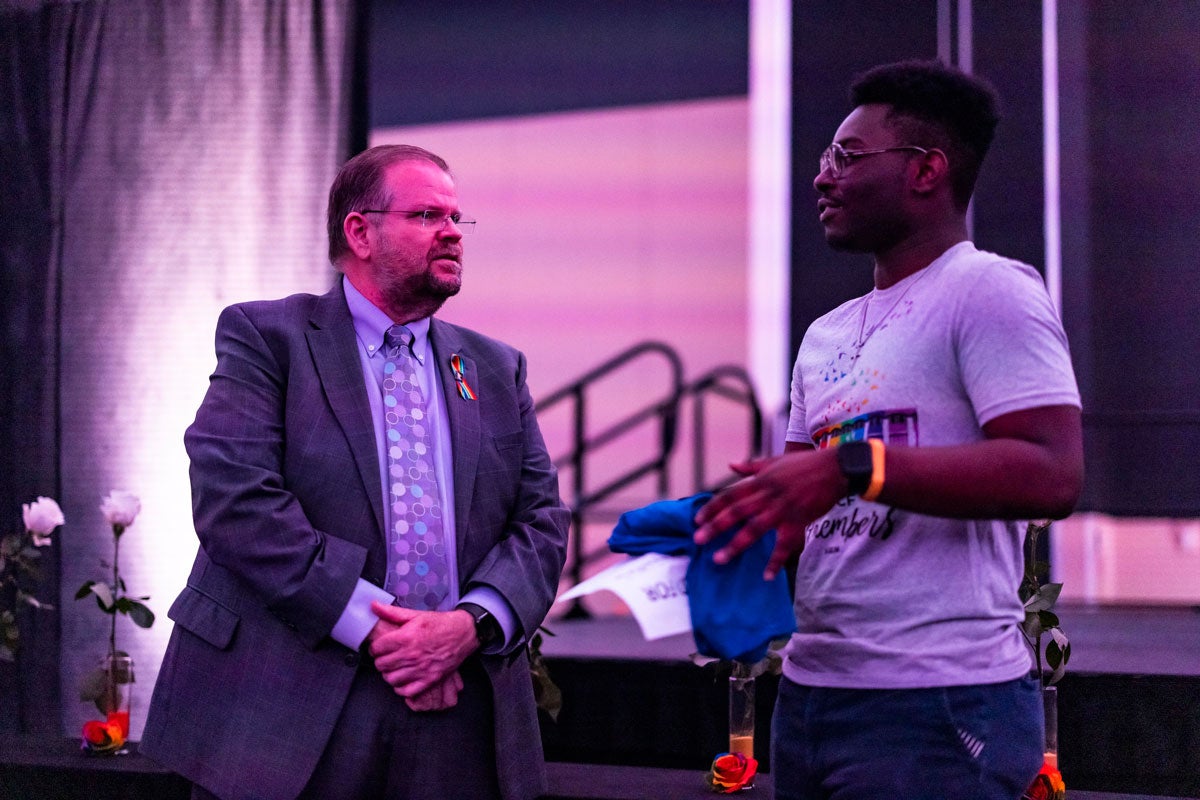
[652, 586]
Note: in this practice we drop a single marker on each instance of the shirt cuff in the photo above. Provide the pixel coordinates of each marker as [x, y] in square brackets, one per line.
[358, 619]
[495, 603]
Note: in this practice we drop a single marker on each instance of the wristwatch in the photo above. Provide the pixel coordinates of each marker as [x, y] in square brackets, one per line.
[487, 629]
[856, 462]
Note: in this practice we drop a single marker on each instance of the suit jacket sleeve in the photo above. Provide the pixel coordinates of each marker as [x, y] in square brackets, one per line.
[248, 517]
[523, 558]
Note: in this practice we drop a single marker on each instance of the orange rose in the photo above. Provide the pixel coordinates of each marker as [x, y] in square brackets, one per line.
[121, 720]
[731, 772]
[1048, 785]
[105, 737]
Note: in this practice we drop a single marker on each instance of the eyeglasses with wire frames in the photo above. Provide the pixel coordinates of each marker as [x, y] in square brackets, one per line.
[430, 218]
[836, 158]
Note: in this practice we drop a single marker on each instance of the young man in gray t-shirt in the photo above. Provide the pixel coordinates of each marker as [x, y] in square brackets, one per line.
[927, 417]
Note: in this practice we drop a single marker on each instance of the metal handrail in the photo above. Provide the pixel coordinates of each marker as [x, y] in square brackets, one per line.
[716, 382]
[728, 382]
[664, 410]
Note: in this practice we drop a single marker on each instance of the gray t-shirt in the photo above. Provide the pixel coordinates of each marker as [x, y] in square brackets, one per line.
[886, 598]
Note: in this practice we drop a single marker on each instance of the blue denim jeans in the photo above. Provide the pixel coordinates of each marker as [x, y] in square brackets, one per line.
[960, 742]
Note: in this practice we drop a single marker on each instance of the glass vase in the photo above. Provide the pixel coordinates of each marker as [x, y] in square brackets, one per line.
[1050, 711]
[741, 710]
[112, 693]
[1048, 784]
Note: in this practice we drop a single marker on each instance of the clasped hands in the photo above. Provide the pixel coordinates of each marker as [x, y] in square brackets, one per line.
[785, 493]
[419, 652]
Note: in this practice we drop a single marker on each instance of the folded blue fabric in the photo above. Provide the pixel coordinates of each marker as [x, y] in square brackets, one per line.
[735, 613]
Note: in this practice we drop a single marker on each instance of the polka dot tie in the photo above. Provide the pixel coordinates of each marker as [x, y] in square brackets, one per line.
[418, 573]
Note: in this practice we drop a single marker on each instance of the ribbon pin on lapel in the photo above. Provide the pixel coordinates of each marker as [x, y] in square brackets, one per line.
[464, 389]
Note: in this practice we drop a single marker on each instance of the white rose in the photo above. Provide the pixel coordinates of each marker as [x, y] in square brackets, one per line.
[120, 508]
[42, 516]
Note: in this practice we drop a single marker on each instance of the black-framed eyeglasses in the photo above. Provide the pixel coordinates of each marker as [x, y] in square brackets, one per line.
[836, 158]
[430, 218]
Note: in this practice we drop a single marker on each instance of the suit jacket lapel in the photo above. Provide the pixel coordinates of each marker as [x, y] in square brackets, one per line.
[335, 354]
[463, 418]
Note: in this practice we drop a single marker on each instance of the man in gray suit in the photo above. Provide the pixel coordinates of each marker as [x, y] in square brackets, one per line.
[380, 530]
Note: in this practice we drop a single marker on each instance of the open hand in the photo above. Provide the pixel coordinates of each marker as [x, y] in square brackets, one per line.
[785, 492]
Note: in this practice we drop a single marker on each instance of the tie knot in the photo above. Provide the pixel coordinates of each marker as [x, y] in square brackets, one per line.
[397, 339]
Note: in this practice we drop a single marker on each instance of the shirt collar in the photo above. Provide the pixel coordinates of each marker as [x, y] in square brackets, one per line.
[370, 323]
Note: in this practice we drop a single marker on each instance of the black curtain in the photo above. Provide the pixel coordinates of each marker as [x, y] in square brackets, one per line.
[29, 357]
[161, 159]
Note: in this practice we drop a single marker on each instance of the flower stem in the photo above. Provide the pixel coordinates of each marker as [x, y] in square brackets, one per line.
[112, 634]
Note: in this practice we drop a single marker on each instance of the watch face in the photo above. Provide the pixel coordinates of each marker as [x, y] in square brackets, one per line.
[486, 628]
[856, 463]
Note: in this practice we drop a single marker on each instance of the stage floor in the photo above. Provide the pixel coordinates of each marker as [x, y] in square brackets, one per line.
[1123, 640]
[1127, 719]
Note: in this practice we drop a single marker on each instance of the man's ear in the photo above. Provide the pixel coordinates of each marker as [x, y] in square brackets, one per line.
[933, 172]
[355, 227]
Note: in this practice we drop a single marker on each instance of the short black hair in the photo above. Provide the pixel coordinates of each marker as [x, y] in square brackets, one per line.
[935, 105]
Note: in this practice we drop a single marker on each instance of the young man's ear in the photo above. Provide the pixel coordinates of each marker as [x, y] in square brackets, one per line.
[934, 171]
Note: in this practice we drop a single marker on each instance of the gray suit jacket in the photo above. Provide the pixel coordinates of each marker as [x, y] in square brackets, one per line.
[288, 509]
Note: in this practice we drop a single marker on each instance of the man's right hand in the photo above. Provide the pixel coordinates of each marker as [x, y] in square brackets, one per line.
[785, 492]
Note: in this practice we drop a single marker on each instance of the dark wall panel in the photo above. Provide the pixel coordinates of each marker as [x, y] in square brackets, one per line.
[832, 42]
[1133, 76]
[1009, 198]
[437, 61]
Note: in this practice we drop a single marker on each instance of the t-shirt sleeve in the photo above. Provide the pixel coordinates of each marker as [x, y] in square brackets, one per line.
[1011, 348]
[797, 429]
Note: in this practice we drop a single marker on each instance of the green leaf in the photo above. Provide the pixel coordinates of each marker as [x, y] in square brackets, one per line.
[104, 596]
[92, 686]
[1048, 619]
[1057, 658]
[99, 689]
[142, 616]
[32, 601]
[1059, 637]
[1054, 655]
[84, 590]
[1045, 598]
[1027, 589]
[546, 693]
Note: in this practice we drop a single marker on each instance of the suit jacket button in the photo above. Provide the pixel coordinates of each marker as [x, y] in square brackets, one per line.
[351, 659]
